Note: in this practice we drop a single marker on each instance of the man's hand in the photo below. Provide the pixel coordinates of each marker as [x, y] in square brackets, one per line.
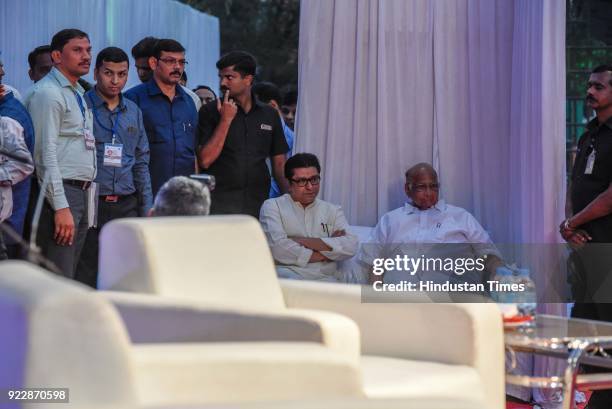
[317, 257]
[312, 243]
[338, 233]
[578, 238]
[372, 278]
[64, 227]
[228, 109]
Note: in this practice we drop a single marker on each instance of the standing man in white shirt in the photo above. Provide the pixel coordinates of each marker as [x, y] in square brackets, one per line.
[306, 235]
[427, 226]
[64, 151]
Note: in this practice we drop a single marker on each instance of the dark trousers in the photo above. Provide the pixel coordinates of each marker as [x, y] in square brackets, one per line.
[87, 268]
[592, 291]
[64, 257]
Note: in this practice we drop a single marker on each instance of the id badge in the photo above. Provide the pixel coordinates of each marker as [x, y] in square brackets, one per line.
[112, 154]
[590, 163]
[90, 141]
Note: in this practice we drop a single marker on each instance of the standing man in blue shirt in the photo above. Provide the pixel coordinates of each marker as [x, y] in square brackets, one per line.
[122, 152]
[170, 115]
[268, 93]
[64, 151]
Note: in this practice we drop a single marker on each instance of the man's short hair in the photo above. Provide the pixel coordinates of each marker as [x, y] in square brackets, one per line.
[243, 62]
[111, 54]
[603, 68]
[301, 160]
[205, 87]
[290, 97]
[414, 170]
[168, 45]
[181, 196]
[61, 38]
[266, 92]
[144, 48]
[43, 49]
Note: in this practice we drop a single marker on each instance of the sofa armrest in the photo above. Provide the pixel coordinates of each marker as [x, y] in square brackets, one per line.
[155, 319]
[459, 334]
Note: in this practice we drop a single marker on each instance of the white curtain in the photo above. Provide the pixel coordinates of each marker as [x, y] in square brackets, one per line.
[476, 87]
[26, 24]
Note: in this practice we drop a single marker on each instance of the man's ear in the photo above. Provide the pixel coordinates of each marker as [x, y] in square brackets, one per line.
[407, 189]
[95, 74]
[153, 63]
[56, 56]
[30, 74]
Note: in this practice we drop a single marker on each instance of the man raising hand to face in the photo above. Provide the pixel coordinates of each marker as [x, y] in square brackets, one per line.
[236, 136]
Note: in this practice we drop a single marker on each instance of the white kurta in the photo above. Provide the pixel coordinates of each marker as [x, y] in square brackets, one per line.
[282, 218]
[441, 231]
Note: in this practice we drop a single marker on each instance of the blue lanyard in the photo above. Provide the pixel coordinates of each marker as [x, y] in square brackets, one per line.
[81, 106]
[113, 129]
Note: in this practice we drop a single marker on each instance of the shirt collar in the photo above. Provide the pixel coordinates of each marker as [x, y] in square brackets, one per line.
[409, 208]
[299, 205]
[98, 102]
[6, 97]
[594, 124]
[63, 81]
[153, 88]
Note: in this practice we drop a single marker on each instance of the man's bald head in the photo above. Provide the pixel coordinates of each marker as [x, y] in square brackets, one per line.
[422, 185]
[418, 169]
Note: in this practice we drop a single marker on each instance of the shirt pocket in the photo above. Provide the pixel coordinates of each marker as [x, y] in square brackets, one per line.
[129, 140]
[447, 231]
[263, 141]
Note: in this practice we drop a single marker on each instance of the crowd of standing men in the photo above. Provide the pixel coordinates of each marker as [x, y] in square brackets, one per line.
[101, 154]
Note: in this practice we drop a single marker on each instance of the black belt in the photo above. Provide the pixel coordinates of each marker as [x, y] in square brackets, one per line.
[81, 184]
[114, 198]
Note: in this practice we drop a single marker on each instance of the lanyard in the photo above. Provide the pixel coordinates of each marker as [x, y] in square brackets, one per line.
[81, 106]
[114, 126]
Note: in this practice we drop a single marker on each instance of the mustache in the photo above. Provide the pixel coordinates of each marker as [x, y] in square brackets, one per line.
[176, 72]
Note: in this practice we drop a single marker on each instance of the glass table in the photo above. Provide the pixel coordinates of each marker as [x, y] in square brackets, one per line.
[578, 341]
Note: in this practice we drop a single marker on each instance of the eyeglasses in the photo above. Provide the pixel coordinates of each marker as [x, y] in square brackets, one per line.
[422, 187]
[314, 181]
[173, 61]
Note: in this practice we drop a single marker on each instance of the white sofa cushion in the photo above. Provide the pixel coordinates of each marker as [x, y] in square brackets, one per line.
[391, 378]
[235, 372]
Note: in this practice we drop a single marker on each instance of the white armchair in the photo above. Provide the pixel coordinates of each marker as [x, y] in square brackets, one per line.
[57, 333]
[421, 351]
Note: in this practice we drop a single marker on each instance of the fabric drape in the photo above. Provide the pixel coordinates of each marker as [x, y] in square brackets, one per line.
[476, 87]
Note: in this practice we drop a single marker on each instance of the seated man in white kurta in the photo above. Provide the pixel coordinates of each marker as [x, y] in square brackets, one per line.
[426, 227]
[306, 235]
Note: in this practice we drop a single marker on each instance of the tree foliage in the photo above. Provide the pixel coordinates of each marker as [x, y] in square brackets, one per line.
[266, 28]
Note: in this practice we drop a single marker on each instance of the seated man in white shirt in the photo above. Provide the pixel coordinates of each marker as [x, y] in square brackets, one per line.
[306, 235]
[429, 230]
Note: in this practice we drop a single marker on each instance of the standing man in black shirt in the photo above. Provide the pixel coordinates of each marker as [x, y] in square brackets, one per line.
[590, 194]
[236, 136]
[589, 229]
